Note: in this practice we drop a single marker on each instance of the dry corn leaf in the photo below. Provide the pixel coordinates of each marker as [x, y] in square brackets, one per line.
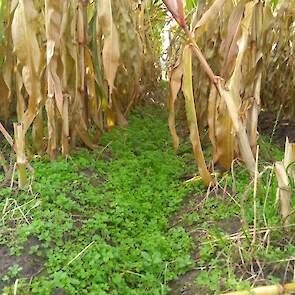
[53, 22]
[111, 50]
[175, 85]
[208, 19]
[24, 36]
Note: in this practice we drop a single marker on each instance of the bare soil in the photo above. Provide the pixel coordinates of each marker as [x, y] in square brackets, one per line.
[31, 264]
[185, 285]
[282, 128]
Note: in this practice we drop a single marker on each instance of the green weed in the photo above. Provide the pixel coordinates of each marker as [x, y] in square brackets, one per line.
[112, 206]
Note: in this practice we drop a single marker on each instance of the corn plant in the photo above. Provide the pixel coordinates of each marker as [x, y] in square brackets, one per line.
[72, 69]
[231, 42]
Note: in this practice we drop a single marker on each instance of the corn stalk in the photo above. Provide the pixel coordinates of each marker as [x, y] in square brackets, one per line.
[267, 290]
[230, 40]
[285, 173]
[72, 69]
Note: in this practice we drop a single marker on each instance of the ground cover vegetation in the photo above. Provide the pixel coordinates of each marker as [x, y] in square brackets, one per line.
[117, 201]
[96, 197]
[128, 219]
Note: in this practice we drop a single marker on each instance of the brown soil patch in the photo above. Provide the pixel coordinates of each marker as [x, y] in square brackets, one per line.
[282, 128]
[230, 225]
[94, 177]
[59, 292]
[185, 284]
[31, 264]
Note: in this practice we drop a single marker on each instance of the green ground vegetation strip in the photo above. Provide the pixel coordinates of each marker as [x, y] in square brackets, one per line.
[119, 220]
[102, 218]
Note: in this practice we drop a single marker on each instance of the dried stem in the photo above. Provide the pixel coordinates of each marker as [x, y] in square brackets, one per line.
[255, 195]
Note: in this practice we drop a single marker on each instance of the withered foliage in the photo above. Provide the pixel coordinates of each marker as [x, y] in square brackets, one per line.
[246, 65]
[71, 69]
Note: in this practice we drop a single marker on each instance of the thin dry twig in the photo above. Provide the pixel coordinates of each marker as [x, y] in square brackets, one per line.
[276, 123]
[80, 253]
[255, 195]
